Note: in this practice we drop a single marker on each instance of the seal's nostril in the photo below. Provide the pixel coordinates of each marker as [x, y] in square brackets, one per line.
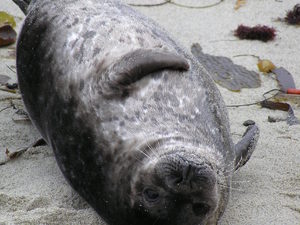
[201, 209]
[175, 179]
[205, 175]
[181, 176]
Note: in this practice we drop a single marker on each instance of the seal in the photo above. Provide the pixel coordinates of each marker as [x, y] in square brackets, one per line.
[137, 125]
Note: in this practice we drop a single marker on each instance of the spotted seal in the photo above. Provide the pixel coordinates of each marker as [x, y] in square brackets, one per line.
[137, 125]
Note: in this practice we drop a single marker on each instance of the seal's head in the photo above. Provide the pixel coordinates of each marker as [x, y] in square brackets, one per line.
[178, 186]
[176, 189]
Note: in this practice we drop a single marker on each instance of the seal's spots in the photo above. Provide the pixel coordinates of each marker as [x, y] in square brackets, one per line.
[89, 34]
[138, 128]
[76, 20]
[96, 51]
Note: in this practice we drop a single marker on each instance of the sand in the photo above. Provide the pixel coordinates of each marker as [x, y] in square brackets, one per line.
[265, 191]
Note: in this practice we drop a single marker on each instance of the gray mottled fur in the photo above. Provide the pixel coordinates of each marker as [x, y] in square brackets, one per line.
[109, 148]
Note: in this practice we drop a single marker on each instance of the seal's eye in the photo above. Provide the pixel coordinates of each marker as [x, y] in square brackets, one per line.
[201, 209]
[151, 195]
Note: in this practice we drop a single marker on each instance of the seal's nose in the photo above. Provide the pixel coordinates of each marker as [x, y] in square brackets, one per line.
[187, 172]
[189, 177]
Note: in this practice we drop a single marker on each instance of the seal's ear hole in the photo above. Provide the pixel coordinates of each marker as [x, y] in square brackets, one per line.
[151, 195]
[201, 209]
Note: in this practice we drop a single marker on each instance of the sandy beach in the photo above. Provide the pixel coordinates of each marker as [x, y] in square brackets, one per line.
[265, 191]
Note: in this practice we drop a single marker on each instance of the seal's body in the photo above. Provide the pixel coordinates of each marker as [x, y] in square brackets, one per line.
[138, 127]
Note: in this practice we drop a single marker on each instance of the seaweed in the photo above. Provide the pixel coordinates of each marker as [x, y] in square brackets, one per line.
[291, 119]
[259, 32]
[7, 35]
[225, 72]
[293, 16]
[7, 19]
[284, 78]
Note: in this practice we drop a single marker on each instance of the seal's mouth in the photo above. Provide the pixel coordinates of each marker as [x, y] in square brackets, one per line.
[186, 173]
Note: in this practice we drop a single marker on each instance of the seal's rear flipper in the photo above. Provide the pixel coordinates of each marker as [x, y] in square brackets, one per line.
[23, 5]
[245, 147]
[138, 64]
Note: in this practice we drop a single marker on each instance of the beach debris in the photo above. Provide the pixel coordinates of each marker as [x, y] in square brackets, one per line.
[15, 154]
[285, 97]
[293, 91]
[11, 68]
[12, 86]
[265, 65]
[287, 85]
[7, 19]
[288, 92]
[13, 91]
[10, 98]
[284, 79]
[248, 123]
[293, 16]
[272, 119]
[20, 116]
[175, 3]
[239, 4]
[7, 35]
[275, 105]
[225, 72]
[6, 86]
[291, 119]
[149, 3]
[259, 32]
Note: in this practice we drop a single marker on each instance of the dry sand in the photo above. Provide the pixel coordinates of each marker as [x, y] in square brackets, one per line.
[265, 191]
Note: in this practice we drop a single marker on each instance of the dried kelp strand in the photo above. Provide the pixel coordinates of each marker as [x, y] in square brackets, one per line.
[275, 105]
[291, 119]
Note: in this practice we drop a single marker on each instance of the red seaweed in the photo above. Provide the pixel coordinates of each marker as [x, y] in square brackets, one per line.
[259, 32]
[293, 16]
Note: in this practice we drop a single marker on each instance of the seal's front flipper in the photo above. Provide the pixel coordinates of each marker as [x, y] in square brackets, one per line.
[138, 64]
[245, 147]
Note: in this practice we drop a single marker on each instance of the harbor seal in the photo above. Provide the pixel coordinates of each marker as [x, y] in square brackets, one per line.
[137, 125]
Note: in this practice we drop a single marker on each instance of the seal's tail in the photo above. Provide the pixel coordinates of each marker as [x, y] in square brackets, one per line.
[23, 5]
